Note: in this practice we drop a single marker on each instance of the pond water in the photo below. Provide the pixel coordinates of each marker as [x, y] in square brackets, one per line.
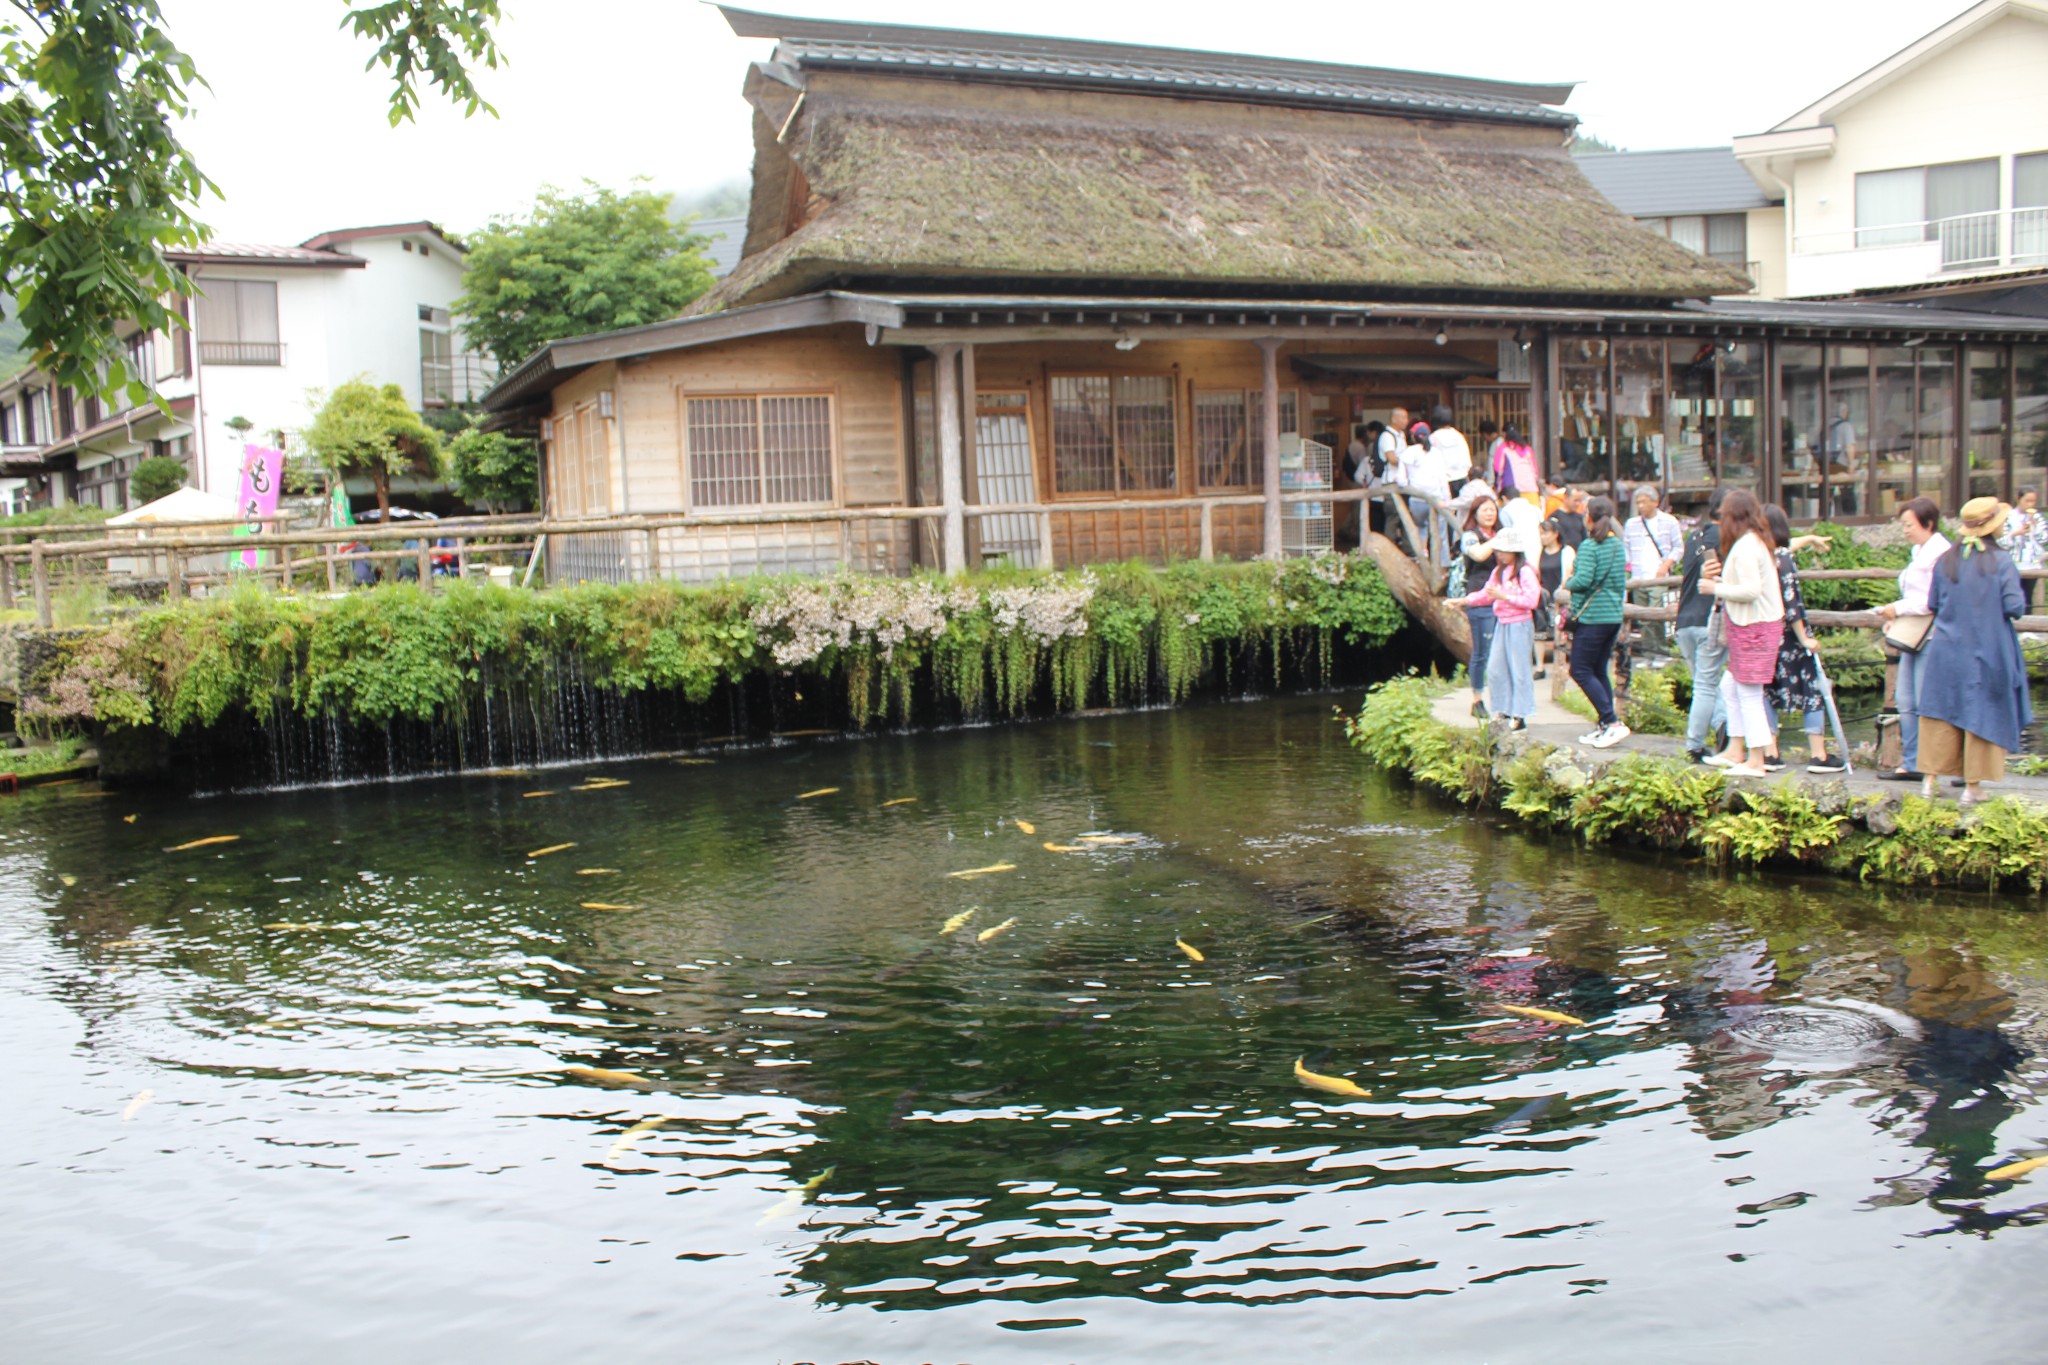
[309, 1092]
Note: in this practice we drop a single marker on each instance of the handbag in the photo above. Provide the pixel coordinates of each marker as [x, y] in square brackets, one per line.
[1908, 634]
[1717, 627]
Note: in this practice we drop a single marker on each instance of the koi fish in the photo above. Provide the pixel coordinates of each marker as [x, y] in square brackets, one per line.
[956, 923]
[822, 791]
[127, 819]
[606, 905]
[67, 879]
[1026, 826]
[595, 871]
[530, 795]
[287, 927]
[899, 801]
[1525, 1117]
[796, 1198]
[983, 871]
[551, 848]
[695, 762]
[802, 734]
[1066, 848]
[1547, 1016]
[122, 943]
[1317, 920]
[993, 930]
[604, 786]
[605, 1075]
[1334, 1085]
[2017, 1169]
[1105, 839]
[1194, 954]
[204, 843]
[624, 1142]
[142, 1097]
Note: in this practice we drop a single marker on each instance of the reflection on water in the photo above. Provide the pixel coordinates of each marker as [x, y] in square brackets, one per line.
[309, 1090]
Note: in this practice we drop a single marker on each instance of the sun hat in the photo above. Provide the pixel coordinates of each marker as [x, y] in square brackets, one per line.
[1981, 517]
[1517, 539]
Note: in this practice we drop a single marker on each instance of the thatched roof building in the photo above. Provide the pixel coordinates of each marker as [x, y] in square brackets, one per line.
[944, 157]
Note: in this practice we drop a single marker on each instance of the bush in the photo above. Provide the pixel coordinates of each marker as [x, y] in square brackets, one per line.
[1657, 801]
[159, 476]
[1783, 823]
[1852, 594]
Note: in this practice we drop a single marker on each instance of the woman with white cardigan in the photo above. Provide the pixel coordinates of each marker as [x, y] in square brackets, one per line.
[1746, 585]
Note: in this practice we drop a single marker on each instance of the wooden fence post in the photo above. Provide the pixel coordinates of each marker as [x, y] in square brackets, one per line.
[6, 585]
[327, 553]
[174, 560]
[1208, 531]
[654, 552]
[426, 562]
[39, 574]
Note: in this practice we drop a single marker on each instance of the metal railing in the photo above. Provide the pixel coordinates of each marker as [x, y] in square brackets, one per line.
[241, 352]
[460, 378]
[1964, 241]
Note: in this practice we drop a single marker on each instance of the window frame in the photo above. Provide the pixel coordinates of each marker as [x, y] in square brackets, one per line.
[1181, 432]
[834, 454]
[240, 357]
[1253, 431]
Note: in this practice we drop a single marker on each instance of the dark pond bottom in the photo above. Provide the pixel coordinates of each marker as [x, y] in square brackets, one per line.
[309, 1094]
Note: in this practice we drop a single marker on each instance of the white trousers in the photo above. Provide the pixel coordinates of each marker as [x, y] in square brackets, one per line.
[1749, 719]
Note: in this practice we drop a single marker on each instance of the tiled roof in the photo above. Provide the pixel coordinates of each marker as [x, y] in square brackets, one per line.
[816, 44]
[1688, 180]
[724, 238]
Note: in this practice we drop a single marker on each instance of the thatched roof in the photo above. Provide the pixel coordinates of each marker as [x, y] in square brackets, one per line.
[1101, 188]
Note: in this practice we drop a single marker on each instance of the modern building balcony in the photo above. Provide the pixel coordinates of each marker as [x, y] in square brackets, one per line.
[241, 352]
[1851, 259]
[456, 379]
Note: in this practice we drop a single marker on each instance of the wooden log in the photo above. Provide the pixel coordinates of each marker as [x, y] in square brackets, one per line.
[1413, 589]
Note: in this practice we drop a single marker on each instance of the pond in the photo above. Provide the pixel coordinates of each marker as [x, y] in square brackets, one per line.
[311, 1091]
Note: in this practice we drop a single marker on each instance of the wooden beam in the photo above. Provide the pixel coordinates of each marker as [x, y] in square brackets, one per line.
[952, 488]
[1269, 378]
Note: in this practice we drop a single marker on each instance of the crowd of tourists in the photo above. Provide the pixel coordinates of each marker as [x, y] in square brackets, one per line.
[1531, 563]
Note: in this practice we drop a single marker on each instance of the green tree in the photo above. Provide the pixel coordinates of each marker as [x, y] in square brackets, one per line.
[494, 471]
[159, 476]
[364, 429]
[575, 264]
[95, 185]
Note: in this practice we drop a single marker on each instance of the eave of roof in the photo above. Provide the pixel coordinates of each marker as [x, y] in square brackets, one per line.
[256, 253]
[420, 228]
[1012, 58]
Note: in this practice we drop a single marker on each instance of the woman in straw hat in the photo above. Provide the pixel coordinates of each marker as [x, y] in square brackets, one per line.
[1513, 591]
[1973, 690]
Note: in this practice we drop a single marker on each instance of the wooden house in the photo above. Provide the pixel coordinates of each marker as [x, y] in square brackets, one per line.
[1115, 286]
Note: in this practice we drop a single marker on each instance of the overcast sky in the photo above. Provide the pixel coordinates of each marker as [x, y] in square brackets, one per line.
[294, 131]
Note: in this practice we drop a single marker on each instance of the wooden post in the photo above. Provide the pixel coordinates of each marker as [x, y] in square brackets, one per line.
[1269, 376]
[426, 562]
[6, 585]
[284, 568]
[1208, 531]
[174, 570]
[39, 574]
[1045, 550]
[653, 554]
[327, 552]
[540, 545]
[952, 485]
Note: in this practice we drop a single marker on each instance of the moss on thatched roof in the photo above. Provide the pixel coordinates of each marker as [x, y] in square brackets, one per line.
[1156, 200]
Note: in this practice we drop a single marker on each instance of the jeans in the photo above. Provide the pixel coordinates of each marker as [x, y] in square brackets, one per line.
[1481, 621]
[1591, 646]
[1749, 717]
[1512, 670]
[1908, 698]
[1706, 660]
[1815, 722]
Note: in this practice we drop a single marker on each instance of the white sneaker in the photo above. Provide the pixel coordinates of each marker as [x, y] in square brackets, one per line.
[1609, 737]
[1591, 737]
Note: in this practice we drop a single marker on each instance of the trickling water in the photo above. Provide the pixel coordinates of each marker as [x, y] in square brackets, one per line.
[309, 1092]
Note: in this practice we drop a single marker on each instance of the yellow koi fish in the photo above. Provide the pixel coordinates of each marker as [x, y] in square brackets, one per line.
[67, 879]
[695, 762]
[530, 795]
[1105, 839]
[204, 843]
[1547, 1016]
[1334, 1085]
[606, 905]
[604, 786]
[2017, 1169]
[957, 922]
[624, 1142]
[984, 871]
[802, 734]
[605, 1075]
[127, 819]
[822, 791]
[1066, 848]
[796, 1198]
[1026, 826]
[287, 927]
[142, 1097]
[993, 930]
[551, 848]
[123, 943]
[899, 801]
[596, 871]
[1194, 954]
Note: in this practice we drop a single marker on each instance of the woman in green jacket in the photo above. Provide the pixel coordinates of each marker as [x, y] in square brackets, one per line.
[1595, 592]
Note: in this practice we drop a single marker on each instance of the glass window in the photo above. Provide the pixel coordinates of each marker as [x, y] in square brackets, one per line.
[1728, 238]
[1891, 207]
[1690, 233]
[1845, 434]
[2030, 209]
[1639, 414]
[238, 323]
[746, 451]
[1582, 454]
[1737, 427]
[1934, 426]
[1984, 462]
[1962, 204]
[1229, 427]
[1801, 429]
[1112, 433]
[1891, 429]
[2030, 419]
[1688, 418]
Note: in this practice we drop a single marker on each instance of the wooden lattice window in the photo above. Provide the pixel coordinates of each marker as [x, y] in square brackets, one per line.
[1113, 433]
[1229, 429]
[766, 450]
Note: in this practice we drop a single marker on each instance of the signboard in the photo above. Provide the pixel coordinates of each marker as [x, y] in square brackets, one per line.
[262, 475]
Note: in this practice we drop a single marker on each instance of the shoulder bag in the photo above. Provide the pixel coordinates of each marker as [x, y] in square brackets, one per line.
[1908, 634]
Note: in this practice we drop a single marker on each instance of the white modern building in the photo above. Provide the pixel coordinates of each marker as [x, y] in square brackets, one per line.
[1929, 169]
[271, 327]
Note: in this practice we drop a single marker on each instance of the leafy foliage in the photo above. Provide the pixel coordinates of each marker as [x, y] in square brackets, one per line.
[1847, 552]
[159, 476]
[364, 429]
[96, 185]
[496, 472]
[577, 264]
[1651, 800]
[1784, 823]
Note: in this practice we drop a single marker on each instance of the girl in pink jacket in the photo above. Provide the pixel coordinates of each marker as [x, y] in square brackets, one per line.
[1513, 590]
